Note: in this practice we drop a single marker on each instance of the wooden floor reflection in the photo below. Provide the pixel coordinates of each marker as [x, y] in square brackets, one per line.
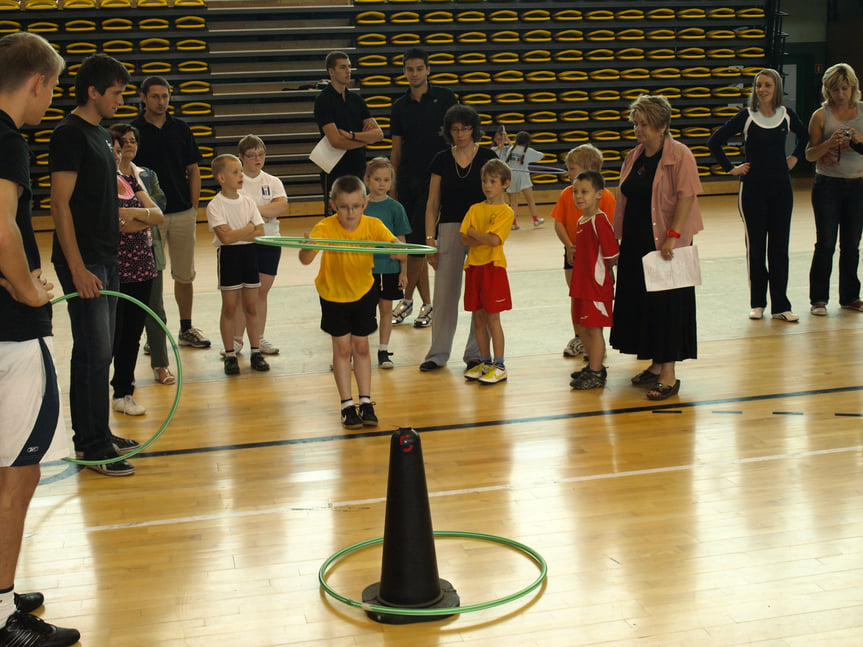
[727, 516]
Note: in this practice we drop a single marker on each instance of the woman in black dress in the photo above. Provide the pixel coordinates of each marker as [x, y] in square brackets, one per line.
[656, 209]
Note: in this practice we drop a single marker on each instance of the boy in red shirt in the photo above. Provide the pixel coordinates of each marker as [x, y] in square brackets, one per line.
[592, 285]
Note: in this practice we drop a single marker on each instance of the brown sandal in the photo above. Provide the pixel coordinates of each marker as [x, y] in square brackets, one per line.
[663, 391]
[645, 378]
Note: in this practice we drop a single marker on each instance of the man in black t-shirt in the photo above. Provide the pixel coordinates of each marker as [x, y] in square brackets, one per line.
[32, 430]
[344, 119]
[415, 123]
[85, 209]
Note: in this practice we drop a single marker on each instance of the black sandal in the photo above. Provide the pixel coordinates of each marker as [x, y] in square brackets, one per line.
[645, 378]
[663, 391]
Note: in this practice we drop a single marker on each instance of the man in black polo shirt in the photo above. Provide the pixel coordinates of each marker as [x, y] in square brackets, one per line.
[344, 119]
[168, 147]
[415, 123]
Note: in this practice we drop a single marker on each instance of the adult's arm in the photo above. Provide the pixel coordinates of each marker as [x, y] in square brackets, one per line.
[817, 146]
[432, 214]
[193, 171]
[63, 183]
[25, 286]
[396, 159]
[340, 138]
[721, 136]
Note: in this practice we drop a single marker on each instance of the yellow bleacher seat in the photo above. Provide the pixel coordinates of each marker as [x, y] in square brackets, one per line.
[81, 48]
[80, 25]
[194, 87]
[567, 14]
[376, 80]
[39, 5]
[509, 76]
[730, 92]
[572, 75]
[470, 58]
[610, 175]
[542, 97]
[535, 15]
[444, 78]
[475, 77]
[724, 111]
[131, 90]
[721, 52]
[696, 112]
[627, 133]
[9, 26]
[665, 73]
[371, 18]
[536, 56]
[659, 54]
[201, 130]
[696, 132]
[57, 92]
[609, 114]
[750, 12]
[476, 98]
[43, 27]
[404, 17]
[692, 13]
[700, 151]
[611, 155]
[470, 16]
[405, 39]
[721, 34]
[191, 45]
[42, 136]
[197, 108]
[600, 54]
[691, 33]
[505, 37]
[605, 95]
[568, 55]
[661, 34]
[510, 118]
[471, 37]
[599, 14]
[574, 115]
[504, 57]
[382, 145]
[661, 13]
[151, 4]
[189, 3]
[720, 12]
[117, 46]
[725, 72]
[574, 136]
[509, 97]
[635, 73]
[630, 34]
[43, 181]
[156, 67]
[79, 4]
[374, 40]
[669, 93]
[716, 169]
[543, 178]
[540, 76]
[569, 35]
[207, 194]
[605, 135]
[750, 32]
[154, 45]
[116, 24]
[9, 5]
[126, 111]
[503, 15]
[574, 95]
[42, 158]
[599, 35]
[542, 117]
[190, 22]
[117, 4]
[751, 52]
[629, 14]
[605, 74]
[372, 60]
[629, 54]
[438, 17]
[379, 101]
[691, 52]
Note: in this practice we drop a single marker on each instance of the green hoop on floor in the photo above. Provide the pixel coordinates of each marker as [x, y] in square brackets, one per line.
[158, 319]
[448, 611]
[338, 245]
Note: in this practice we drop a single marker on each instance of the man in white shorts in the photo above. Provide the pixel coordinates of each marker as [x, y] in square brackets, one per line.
[32, 429]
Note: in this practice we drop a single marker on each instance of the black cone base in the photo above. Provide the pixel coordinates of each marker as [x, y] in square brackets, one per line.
[449, 599]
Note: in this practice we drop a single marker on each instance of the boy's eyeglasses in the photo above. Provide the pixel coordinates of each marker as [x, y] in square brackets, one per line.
[254, 156]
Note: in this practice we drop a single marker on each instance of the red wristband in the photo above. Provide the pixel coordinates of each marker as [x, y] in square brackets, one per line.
[672, 234]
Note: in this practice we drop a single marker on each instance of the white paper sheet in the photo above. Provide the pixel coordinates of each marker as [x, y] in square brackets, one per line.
[325, 155]
[682, 271]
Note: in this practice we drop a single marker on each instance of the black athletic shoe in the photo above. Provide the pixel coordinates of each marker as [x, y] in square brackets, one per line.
[123, 445]
[259, 363]
[28, 602]
[429, 365]
[367, 414]
[117, 468]
[26, 630]
[232, 366]
[350, 418]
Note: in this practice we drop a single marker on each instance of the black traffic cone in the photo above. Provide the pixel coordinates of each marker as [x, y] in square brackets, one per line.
[409, 575]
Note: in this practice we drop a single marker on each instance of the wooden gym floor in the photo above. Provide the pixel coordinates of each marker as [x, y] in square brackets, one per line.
[728, 516]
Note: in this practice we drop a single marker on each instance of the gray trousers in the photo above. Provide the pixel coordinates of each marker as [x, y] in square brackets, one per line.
[447, 297]
[155, 334]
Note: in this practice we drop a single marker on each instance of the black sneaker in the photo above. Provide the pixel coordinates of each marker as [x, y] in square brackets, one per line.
[27, 602]
[384, 360]
[367, 414]
[259, 363]
[350, 418]
[24, 629]
[117, 468]
[232, 366]
[123, 445]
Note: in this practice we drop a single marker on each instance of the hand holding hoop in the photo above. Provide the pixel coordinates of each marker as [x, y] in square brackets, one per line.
[340, 245]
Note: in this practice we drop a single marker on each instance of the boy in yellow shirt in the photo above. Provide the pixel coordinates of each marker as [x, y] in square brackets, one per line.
[348, 295]
[484, 229]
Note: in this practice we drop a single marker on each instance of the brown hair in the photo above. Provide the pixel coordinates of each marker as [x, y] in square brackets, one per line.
[249, 143]
[497, 167]
[347, 184]
[777, 93]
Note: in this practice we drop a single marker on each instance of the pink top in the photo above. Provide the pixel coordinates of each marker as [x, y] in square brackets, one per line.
[676, 177]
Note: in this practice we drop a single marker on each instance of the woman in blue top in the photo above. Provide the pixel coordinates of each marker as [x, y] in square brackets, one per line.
[765, 200]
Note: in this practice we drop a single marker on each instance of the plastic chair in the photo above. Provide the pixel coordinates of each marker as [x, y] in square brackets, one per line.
[440, 38]
[569, 55]
[574, 115]
[542, 97]
[190, 22]
[542, 117]
[574, 136]
[404, 17]
[471, 37]
[509, 118]
[9, 26]
[509, 97]
[505, 37]
[371, 18]
[635, 73]
[509, 76]
[470, 16]
[194, 87]
[379, 101]
[567, 15]
[540, 76]
[81, 48]
[190, 45]
[156, 67]
[438, 17]
[476, 98]
[43, 27]
[376, 80]
[154, 45]
[117, 46]
[117, 24]
[189, 67]
[475, 77]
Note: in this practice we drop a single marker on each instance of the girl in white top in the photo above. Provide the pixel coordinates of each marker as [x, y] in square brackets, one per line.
[268, 193]
[836, 147]
[519, 156]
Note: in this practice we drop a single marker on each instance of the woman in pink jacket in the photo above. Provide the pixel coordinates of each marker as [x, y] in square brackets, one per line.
[657, 209]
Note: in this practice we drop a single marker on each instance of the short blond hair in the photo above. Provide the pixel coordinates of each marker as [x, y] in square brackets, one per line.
[587, 156]
[24, 54]
[220, 164]
[836, 75]
[655, 108]
[347, 184]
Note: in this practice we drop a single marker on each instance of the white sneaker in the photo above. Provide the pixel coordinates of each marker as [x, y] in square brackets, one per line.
[127, 405]
[574, 348]
[476, 372]
[402, 311]
[493, 374]
[756, 313]
[267, 348]
[786, 316]
[538, 222]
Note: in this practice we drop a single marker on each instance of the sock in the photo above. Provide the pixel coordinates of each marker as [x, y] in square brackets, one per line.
[384, 347]
[364, 399]
[255, 350]
[230, 353]
[347, 403]
[7, 604]
[409, 302]
[185, 324]
[498, 361]
[485, 359]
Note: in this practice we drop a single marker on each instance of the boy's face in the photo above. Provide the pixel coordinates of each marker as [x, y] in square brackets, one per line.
[586, 196]
[231, 177]
[253, 161]
[349, 208]
[573, 168]
[493, 187]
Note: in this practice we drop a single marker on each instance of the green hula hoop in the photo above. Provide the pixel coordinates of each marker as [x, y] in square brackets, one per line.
[158, 319]
[447, 611]
[338, 245]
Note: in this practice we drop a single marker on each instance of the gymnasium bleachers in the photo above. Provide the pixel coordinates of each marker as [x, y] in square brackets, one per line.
[564, 74]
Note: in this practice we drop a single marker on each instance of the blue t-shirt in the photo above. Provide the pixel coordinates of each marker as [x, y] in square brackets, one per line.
[393, 215]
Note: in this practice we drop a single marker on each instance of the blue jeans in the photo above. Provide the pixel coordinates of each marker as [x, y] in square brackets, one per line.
[92, 335]
[838, 208]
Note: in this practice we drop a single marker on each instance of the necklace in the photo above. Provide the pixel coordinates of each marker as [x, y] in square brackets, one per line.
[470, 166]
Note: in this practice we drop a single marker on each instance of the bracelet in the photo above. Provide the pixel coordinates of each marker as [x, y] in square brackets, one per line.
[353, 135]
[672, 234]
[122, 222]
[148, 214]
[429, 237]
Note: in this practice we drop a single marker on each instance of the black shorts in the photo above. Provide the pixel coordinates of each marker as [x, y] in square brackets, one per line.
[268, 258]
[237, 267]
[353, 318]
[388, 286]
[413, 194]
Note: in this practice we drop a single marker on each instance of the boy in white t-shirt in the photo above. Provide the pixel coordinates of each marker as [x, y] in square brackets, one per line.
[268, 192]
[236, 221]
